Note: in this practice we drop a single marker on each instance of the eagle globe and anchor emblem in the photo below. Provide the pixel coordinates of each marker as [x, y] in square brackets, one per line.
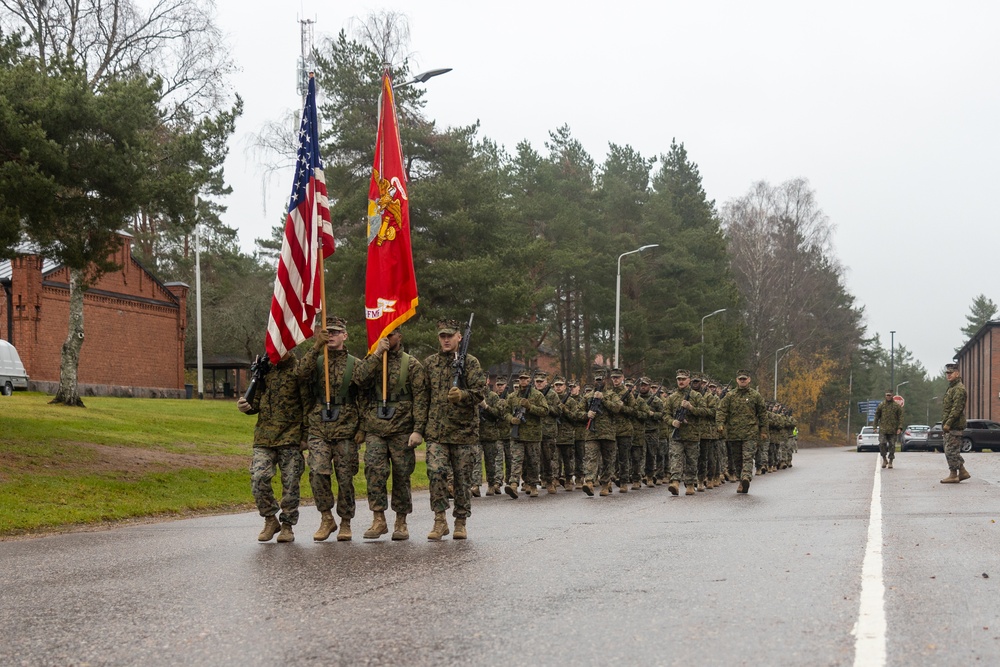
[385, 214]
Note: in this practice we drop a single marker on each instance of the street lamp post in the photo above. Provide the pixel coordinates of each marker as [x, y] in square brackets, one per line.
[618, 294]
[892, 358]
[423, 76]
[780, 349]
[720, 310]
[197, 293]
[900, 385]
[933, 398]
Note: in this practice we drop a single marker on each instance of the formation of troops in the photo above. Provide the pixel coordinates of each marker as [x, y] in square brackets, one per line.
[517, 436]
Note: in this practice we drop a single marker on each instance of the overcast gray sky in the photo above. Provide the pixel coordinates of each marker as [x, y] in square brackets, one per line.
[889, 109]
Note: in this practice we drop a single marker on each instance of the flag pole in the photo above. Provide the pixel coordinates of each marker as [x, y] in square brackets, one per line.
[328, 412]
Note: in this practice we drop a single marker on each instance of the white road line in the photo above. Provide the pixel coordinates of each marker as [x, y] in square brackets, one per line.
[870, 628]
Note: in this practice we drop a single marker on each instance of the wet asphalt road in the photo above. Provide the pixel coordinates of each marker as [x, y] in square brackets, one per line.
[771, 578]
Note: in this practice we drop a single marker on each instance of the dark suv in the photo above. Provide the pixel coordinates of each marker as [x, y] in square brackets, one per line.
[979, 434]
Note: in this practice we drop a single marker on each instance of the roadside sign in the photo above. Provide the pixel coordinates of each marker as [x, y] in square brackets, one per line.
[899, 400]
[868, 408]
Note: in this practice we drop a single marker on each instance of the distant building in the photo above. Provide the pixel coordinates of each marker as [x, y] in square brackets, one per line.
[134, 326]
[979, 364]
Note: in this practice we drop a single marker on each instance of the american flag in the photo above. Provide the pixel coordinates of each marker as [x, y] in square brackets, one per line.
[297, 287]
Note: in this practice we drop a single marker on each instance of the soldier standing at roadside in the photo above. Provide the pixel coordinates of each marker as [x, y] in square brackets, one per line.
[953, 423]
[452, 428]
[334, 439]
[889, 421]
[277, 441]
[742, 419]
[393, 427]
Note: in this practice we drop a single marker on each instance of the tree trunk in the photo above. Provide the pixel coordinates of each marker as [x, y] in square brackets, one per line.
[69, 393]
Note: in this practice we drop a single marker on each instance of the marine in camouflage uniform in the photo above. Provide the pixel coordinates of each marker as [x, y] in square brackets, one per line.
[577, 411]
[566, 436]
[706, 432]
[953, 423]
[494, 428]
[685, 439]
[452, 428]
[742, 419]
[637, 454]
[889, 421]
[663, 456]
[526, 407]
[651, 429]
[333, 443]
[277, 442]
[550, 432]
[787, 445]
[622, 410]
[600, 446]
[719, 455]
[394, 425]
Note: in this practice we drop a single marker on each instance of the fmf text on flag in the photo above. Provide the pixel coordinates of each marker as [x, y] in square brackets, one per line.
[307, 240]
[390, 283]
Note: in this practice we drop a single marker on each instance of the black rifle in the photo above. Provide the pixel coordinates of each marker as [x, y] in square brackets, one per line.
[595, 405]
[681, 413]
[458, 374]
[519, 414]
[258, 369]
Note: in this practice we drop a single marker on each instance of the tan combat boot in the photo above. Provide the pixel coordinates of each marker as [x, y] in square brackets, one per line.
[636, 486]
[440, 528]
[326, 526]
[884, 462]
[460, 533]
[890, 464]
[606, 489]
[271, 526]
[674, 487]
[511, 491]
[378, 527]
[701, 485]
[399, 531]
[533, 491]
[345, 530]
[952, 478]
[286, 534]
[962, 473]
[551, 488]
[689, 489]
[475, 491]
[587, 488]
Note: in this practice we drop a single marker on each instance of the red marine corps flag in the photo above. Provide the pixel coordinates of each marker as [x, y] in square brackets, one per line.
[308, 239]
[390, 284]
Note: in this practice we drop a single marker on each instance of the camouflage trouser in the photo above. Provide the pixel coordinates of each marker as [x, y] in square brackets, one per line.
[460, 460]
[524, 461]
[684, 460]
[742, 452]
[785, 452]
[567, 461]
[652, 451]
[712, 467]
[599, 455]
[722, 456]
[325, 458]
[291, 464]
[887, 445]
[493, 457]
[663, 457]
[506, 461]
[550, 460]
[638, 462]
[703, 447]
[624, 460]
[381, 454]
[953, 450]
[772, 454]
[760, 454]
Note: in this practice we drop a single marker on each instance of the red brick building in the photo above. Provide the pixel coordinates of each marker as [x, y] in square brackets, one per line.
[979, 364]
[134, 326]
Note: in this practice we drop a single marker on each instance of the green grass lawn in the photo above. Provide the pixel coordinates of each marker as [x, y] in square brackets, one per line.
[122, 458]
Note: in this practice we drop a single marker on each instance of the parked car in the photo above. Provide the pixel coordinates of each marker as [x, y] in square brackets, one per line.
[914, 437]
[12, 373]
[935, 438]
[868, 439]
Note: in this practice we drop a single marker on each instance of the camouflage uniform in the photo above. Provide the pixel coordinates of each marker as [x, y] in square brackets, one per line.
[576, 411]
[666, 429]
[387, 449]
[600, 449]
[637, 462]
[707, 433]
[785, 454]
[566, 436]
[622, 410]
[685, 443]
[332, 445]
[528, 405]
[550, 433]
[651, 431]
[277, 441]
[953, 417]
[452, 430]
[742, 419]
[494, 422]
[889, 420]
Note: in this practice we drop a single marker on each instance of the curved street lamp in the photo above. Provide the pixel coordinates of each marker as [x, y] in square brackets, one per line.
[720, 310]
[900, 385]
[423, 76]
[618, 293]
[780, 349]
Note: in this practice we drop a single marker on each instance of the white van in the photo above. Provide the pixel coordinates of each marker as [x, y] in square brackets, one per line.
[12, 375]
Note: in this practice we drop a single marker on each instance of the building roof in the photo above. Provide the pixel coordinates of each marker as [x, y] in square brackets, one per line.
[983, 330]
